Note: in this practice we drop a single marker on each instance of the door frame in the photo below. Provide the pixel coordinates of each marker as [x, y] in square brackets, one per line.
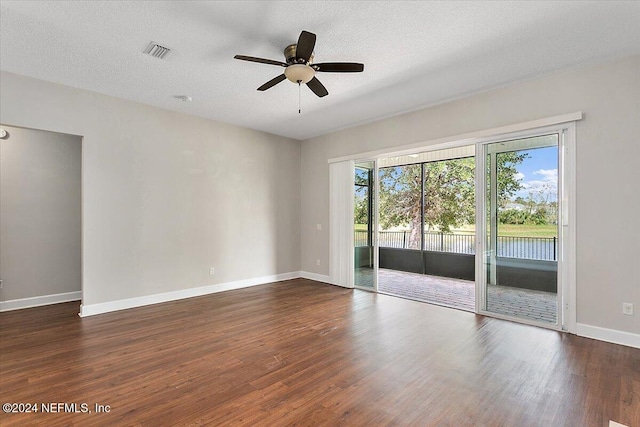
[566, 223]
[44, 300]
[569, 146]
[373, 194]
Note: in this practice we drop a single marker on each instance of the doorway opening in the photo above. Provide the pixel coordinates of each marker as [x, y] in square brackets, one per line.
[426, 227]
[487, 228]
[40, 218]
[521, 231]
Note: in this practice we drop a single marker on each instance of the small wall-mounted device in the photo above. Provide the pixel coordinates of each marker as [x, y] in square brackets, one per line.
[3, 133]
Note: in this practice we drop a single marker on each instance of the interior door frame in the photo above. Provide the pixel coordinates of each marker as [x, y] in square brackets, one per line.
[566, 223]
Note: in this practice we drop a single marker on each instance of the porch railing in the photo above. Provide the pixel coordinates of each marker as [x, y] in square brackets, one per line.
[539, 248]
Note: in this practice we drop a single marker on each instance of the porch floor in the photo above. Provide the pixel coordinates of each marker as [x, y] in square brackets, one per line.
[460, 294]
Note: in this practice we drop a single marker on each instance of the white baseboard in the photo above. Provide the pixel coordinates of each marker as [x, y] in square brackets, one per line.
[17, 304]
[123, 304]
[608, 335]
[315, 276]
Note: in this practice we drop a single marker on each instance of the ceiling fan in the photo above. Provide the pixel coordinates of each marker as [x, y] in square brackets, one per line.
[299, 67]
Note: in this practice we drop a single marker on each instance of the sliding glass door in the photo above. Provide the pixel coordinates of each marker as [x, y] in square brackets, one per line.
[364, 227]
[520, 229]
[409, 220]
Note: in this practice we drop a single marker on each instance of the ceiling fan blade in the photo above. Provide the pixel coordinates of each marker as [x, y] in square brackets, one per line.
[306, 43]
[317, 87]
[339, 67]
[260, 60]
[271, 83]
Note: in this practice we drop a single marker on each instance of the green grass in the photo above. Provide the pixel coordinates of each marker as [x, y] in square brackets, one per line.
[512, 230]
[549, 230]
[509, 230]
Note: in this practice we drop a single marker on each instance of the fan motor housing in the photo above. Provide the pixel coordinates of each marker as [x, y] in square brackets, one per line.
[290, 55]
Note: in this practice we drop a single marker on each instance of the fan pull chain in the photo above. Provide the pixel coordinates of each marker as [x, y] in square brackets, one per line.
[299, 109]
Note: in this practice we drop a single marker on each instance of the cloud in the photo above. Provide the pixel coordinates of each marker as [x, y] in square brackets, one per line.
[537, 185]
[518, 175]
[548, 174]
[545, 188]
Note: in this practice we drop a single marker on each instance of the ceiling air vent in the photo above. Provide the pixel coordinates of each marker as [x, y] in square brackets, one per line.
[156, 50]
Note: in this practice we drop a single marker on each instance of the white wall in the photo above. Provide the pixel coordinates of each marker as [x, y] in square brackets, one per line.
[166, 195]
[608, 200]
[40, 223]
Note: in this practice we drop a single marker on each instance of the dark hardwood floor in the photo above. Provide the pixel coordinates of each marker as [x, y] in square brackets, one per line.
[304, 353]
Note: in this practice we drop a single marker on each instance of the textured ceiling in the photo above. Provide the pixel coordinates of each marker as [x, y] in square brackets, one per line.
[415, 53]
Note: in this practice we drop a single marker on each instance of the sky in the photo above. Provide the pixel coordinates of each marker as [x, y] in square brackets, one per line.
[539, 174]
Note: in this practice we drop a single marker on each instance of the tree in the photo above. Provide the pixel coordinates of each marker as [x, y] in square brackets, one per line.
[449, 199]
[519, 217]
[361, 207]
[449, 193]
[400, 199]
[520, 200]
[508, 182]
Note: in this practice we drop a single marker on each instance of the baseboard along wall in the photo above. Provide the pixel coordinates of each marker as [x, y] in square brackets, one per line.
[17, 304]
[123, 304]
[315, 276]
[609, 335]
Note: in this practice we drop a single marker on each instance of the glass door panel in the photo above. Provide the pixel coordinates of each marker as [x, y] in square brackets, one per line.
[364, 225]
[520, 245]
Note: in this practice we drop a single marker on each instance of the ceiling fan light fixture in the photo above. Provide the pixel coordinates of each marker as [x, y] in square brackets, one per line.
[300, 68]
[299, 73]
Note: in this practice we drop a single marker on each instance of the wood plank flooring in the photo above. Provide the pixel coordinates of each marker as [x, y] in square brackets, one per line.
[304, 353]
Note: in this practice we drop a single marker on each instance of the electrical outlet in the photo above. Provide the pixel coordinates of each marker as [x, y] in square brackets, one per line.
[318, 262]
[0, 284]
[212, 271]
[318, 227]
[627, 308]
